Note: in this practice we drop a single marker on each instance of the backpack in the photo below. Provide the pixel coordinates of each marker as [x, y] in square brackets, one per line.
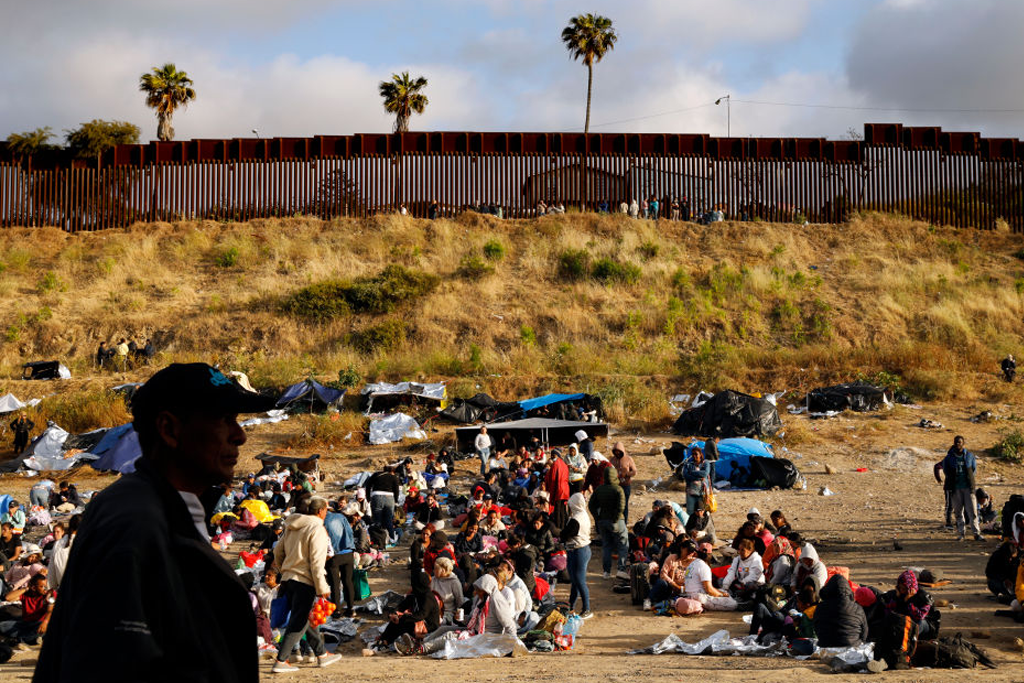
[772, 596]
[897, 641]
[1014, 505]
[639, 582]
[951, 652]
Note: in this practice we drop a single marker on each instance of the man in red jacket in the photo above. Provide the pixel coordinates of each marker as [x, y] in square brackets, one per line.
[556, 483]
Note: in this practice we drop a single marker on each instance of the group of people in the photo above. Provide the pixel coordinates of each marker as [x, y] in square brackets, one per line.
[125, 354]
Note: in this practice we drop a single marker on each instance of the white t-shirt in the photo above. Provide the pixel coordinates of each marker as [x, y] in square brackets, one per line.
[482, 441]
[696, 574]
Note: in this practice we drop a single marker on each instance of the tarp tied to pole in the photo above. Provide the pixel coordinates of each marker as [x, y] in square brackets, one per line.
[728, 414]
[378, 391]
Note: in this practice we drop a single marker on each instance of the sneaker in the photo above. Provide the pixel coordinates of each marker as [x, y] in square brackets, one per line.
[349, 613]
[607, 575]
[586, 615]
[622, 574]
[948, 527]
[979, 537]
[877, 666]
[647, 604]
[369, 652]
[405, 645]
[960, 537]
[283, 668]
[324, 661]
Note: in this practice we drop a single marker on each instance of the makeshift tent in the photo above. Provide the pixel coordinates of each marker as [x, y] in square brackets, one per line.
[308, 464]
[391, 428]
[44, 453]
[9, 403]
[729, 414]
[732, 454]
[117, 450]
[857, 396]
[480, 408]
[561, 406]
[383, 396]
[550, 432]
[45, 369]
[310, 396]
[777, 472]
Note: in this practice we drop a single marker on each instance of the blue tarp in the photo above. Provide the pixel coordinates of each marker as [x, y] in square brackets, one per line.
[732, 452]
[541, 401]
[118, 450]
[308, 389]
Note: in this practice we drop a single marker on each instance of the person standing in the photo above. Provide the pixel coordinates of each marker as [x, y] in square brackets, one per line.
[1009, 367]
[21, 426]
[122, 354]
[607, 505]
[711, 456]
[695, 473]
[384, 489]
[946, 493]
[175, 610]
[959, 469]
[576, 537]
[626, 469]
[482, 444]
[301, 557]
[556, 484]
[341, 565]
[634, 209]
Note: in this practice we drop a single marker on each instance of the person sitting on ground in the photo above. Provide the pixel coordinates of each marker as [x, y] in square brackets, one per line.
[986, 509]
[672, 575]
[10, 546]
[36, 608]
[22, 572]
[61, 552]
[779, 561]
[761, 530]
[266, 590]
[412, 501]
[1001, 571]
[839, 621]
[226, 502]
[663, 527]
[448, 588]
[418, 614]
[469, 542]
[65, 498]
[909, 600]
[748, 530]
[14, 516]
[439, 547]
[540, 535]
[492, 525]
[577, 468]
[419, 546]
[746, 573]
[781, 524]
[809, 565]
[697, 586]
[491, 613]
[524, 559]
[795, 619]
[700, 526]
[429, 512]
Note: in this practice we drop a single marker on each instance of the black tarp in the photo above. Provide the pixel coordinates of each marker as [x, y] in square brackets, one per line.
[857, 396]
[728, 414]
[479, 408]
[307, 464]
[42, 369]
[769, 472]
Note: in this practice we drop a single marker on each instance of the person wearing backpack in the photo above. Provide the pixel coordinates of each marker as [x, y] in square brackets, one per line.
[959, 468]
[911, 601]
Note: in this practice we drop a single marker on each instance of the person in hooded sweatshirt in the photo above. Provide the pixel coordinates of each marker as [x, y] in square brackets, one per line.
[576, 537]
[419, 605]
[809, 565]
[607, 505]
[838, 620]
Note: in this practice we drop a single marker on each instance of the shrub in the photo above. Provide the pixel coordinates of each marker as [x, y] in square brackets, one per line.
[329, 431]
[382, 293]
[383, 337]
[472, 267]
[319, 302]
[648, 249]
[1010, 448]
[494, 250]
[607, 270]
[348, 378]
[51, 283]
[227, 258]
[574, 264]
[527, 335]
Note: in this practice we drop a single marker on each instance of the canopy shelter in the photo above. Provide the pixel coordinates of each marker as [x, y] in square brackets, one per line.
[309, 464]
[856, 396]
[381, 397]
[479, 408]
[310, 396]
[562, 406]
[730, 414]
[117, 450]
[550, 432]
[45, 369]
[743, 462]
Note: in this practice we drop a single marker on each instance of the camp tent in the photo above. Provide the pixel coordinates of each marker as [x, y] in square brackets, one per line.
[730, 414]
[309, 464]
[550, 432]
[480, 408]
[743, 462]
[310, 396]
[561, 406]
[391, 428]
[117, 450]
[857, 396]
[44, 453]
[384, 396]
[10, 403]
[45, 369]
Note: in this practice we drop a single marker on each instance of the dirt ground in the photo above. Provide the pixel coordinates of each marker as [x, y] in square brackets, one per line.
[896, 498]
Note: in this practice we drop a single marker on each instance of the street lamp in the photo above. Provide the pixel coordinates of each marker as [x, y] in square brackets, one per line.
[728, 112]
[257, 133]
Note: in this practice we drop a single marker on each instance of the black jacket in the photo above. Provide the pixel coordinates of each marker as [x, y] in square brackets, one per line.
[146, 598]
[838, 620]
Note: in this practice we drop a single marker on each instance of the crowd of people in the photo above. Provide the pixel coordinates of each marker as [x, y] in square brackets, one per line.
[126, 353]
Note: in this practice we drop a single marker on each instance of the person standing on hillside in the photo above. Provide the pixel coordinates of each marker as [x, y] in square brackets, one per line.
[21, 426]
[1009, 366]
[626, 469]
[959, 469]
[144, 595]
[384, 489]
[695, 474]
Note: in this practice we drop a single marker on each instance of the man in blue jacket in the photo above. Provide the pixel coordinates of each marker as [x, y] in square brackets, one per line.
[958, 469]
[342, 563]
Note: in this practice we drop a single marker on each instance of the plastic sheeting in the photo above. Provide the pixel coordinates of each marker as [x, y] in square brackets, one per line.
[483, 645]
[378, 604]
[9, 403]
[272, 416]
[396, 427]
[118, 450]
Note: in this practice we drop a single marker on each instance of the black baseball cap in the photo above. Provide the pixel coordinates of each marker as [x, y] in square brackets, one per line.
[190, 388]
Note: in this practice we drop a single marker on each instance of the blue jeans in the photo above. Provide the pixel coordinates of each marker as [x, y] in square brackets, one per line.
[626, 489]
[660, 590]
[691, 502]
[382, 508]
[613, 538]
[484, 454]
[577, 560]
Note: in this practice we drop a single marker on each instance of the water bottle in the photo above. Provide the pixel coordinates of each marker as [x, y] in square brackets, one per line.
[572, 625]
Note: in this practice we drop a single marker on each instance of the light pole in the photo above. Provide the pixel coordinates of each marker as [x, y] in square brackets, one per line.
[256, 133]
[728, 113]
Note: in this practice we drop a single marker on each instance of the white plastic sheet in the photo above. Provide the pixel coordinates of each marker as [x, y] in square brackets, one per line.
[9, 403]
[483, 645]
[272, 416]
[396, 427]
[378, 604]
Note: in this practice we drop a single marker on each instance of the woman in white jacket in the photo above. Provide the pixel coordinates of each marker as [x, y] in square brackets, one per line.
[746, 572]
[576, 537]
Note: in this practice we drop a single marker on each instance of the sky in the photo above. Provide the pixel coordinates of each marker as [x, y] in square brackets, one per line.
[311, 67]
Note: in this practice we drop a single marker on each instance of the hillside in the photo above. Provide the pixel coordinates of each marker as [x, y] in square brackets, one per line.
[631, 309]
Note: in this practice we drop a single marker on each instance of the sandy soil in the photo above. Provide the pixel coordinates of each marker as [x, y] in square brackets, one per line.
[895, 498]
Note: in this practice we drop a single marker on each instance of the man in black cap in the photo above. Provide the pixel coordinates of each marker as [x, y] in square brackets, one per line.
[145, 597]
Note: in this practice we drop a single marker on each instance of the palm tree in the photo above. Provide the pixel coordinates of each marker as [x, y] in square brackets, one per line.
[589, 37]
[402, 97]
[166, 89]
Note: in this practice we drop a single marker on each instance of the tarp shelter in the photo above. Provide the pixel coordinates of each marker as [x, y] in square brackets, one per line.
[857, 396]
[45, 369]
[558, 406]
[308, 464]
[550, 432]
[118, 450]
[10, 403]
[383, 396]
[732, 453]
[480, 408]
[391, 428]
[44, 453]
[730, 414]
[310, 396]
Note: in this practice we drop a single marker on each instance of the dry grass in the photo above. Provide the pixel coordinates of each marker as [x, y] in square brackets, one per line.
[748, 305]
